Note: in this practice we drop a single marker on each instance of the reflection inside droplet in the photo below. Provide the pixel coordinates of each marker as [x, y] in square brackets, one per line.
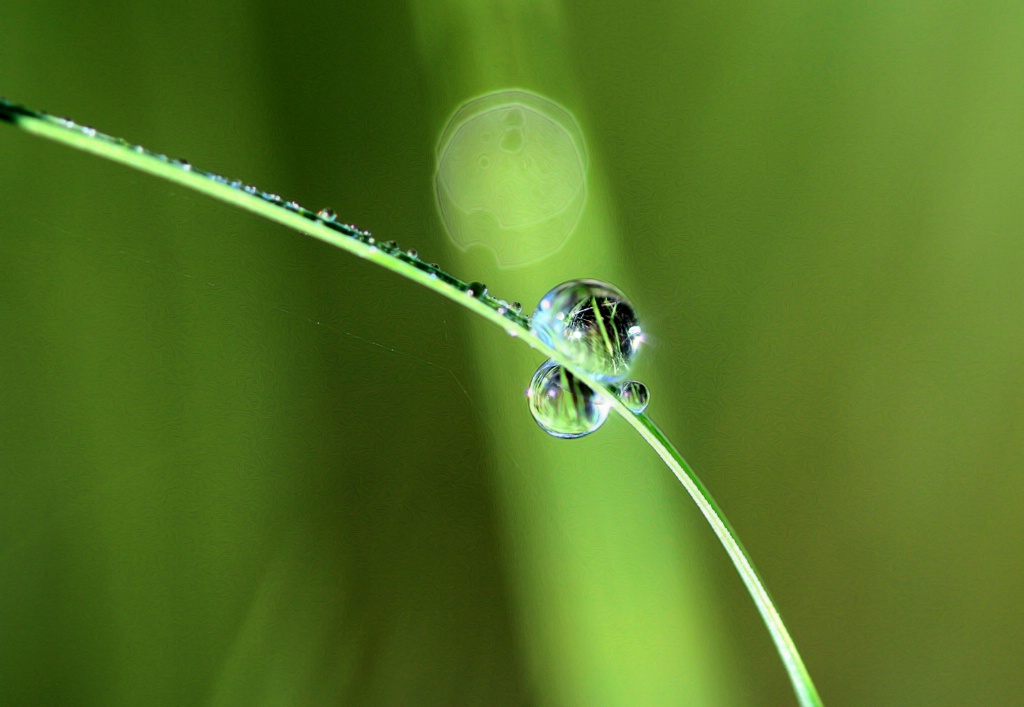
[592, 324]
[564, 406]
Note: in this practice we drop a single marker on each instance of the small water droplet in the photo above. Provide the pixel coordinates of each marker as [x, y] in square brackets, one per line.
[327, 214]
[562, 405]
[370, 239]
[412, 253]
[635, 395]
[236, 184]
[292, 206]
[515, 307]
[477, 289]
[138, 148]
[88, 132]
[271, 197]
[184, 164]
[592, 324]
[249, 189]
[501, 310]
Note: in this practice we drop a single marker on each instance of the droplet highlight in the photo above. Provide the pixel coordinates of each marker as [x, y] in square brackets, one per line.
[564, 406]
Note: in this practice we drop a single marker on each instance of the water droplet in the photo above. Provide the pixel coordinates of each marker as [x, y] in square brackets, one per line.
[388, 246]
[327, 214]
[412, 253]
[370, 239]
[292, 206]
[138, 148]
[88, 132]
[235, 184]
[635, 395]
[249, 189]
[592, 324]
[563, 405]
[501, 310]
[184, 164]
[477, 289]
[271, 197]
[515, 307]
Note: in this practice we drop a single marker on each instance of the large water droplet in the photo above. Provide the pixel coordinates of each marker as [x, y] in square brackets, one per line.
[635, 395]
[563, 405]
[477, 289]
[592, 325]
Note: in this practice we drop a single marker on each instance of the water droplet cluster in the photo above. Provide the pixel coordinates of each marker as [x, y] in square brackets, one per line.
[326, 217]
[593, 326]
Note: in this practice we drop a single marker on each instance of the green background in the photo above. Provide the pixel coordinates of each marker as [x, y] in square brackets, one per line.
[240, 467]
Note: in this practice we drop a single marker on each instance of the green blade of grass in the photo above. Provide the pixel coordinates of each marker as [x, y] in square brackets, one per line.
[408, 265]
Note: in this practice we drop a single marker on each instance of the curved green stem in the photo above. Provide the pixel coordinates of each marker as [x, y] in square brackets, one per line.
[802, 684]
[408, 265]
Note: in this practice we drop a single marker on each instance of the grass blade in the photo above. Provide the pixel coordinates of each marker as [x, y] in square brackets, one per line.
[323, 226]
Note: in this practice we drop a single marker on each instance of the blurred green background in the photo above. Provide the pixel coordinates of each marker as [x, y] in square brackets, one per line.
[240, 467]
